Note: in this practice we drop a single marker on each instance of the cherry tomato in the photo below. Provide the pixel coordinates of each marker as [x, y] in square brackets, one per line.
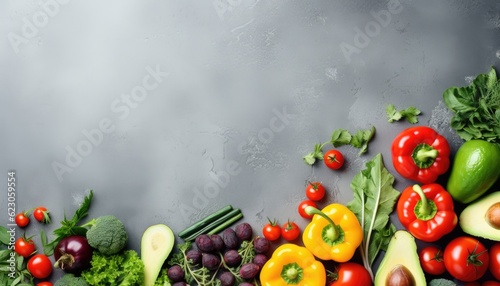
[302, 207]
[24, 247]
[290, 231]
[431, 259]
[466, 258]
[41, 214]
[350, 274]
[22, 219]
[40, 266]
[333, 159]
[315, 191]
[495, 260]
[271, 231]
[45, 283]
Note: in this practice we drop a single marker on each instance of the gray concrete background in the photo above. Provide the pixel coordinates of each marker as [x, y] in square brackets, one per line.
[169, 110]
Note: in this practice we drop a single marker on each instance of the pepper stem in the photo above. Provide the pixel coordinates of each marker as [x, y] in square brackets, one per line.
[333, 232]
[424, 155]
[425, 208]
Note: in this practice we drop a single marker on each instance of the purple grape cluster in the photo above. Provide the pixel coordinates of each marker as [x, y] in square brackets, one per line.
[234, 255]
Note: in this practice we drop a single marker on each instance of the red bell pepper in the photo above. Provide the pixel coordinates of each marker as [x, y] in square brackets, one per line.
[427, 212]
[420, 154]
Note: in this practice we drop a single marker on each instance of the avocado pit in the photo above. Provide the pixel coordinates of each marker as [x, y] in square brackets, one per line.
[400, 276]
[493, 215]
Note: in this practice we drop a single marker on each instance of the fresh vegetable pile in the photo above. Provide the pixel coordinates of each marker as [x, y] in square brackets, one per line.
[448, 231]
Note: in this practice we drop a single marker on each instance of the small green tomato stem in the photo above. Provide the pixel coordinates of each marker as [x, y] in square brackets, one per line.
[333, 231]
[425, 208]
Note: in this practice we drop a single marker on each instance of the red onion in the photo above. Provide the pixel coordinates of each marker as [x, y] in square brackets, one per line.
[73, 254]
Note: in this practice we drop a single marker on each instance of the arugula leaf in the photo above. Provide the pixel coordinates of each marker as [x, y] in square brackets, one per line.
[476, 108]
[410, 113]
[374, 200]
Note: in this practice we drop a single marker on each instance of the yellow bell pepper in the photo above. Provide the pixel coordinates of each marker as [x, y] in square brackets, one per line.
[334, 233]
[291, 264]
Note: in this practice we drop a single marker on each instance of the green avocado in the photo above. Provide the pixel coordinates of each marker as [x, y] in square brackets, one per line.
[482, 217]
[400, 265]
[475, 169]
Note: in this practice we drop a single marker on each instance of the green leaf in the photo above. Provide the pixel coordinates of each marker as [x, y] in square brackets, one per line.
[362, 138]
[374, 200]
[4, 235]
[4, 255]
[317, 154]
[476, 108]
[392, 113]
[411, 114]
[340, 137]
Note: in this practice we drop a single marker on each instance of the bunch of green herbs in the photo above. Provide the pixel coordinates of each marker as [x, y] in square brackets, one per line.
[476, 108]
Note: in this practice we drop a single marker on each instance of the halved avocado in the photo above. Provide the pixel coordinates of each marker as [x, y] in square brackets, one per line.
[400, 265]
[482, 217]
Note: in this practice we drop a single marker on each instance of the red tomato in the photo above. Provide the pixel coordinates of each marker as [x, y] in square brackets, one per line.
[271, 231]
[39, 266]
[351, 274]
[495, 260]
[466, 258]
[290, 231]
[490, 283]
[22, 219]
[41, 214]
[333, 159]
[315, 191]
[303, 205]
[431, 259]
[45, 283]
[24, 247]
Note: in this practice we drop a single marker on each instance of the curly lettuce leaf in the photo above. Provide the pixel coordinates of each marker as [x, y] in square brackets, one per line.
[123, 269]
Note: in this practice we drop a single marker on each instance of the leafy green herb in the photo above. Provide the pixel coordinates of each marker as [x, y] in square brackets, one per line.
[125, 268]
[411, 114]
[374, 200]
[361, 138]
[68, 227]
[342, 137]
[476, 108]
[13, 271]
[317, 154]
[163, 279]
[4, 236]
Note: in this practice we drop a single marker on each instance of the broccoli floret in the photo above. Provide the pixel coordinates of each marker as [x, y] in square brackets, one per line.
[107, 234]
[71, 280]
